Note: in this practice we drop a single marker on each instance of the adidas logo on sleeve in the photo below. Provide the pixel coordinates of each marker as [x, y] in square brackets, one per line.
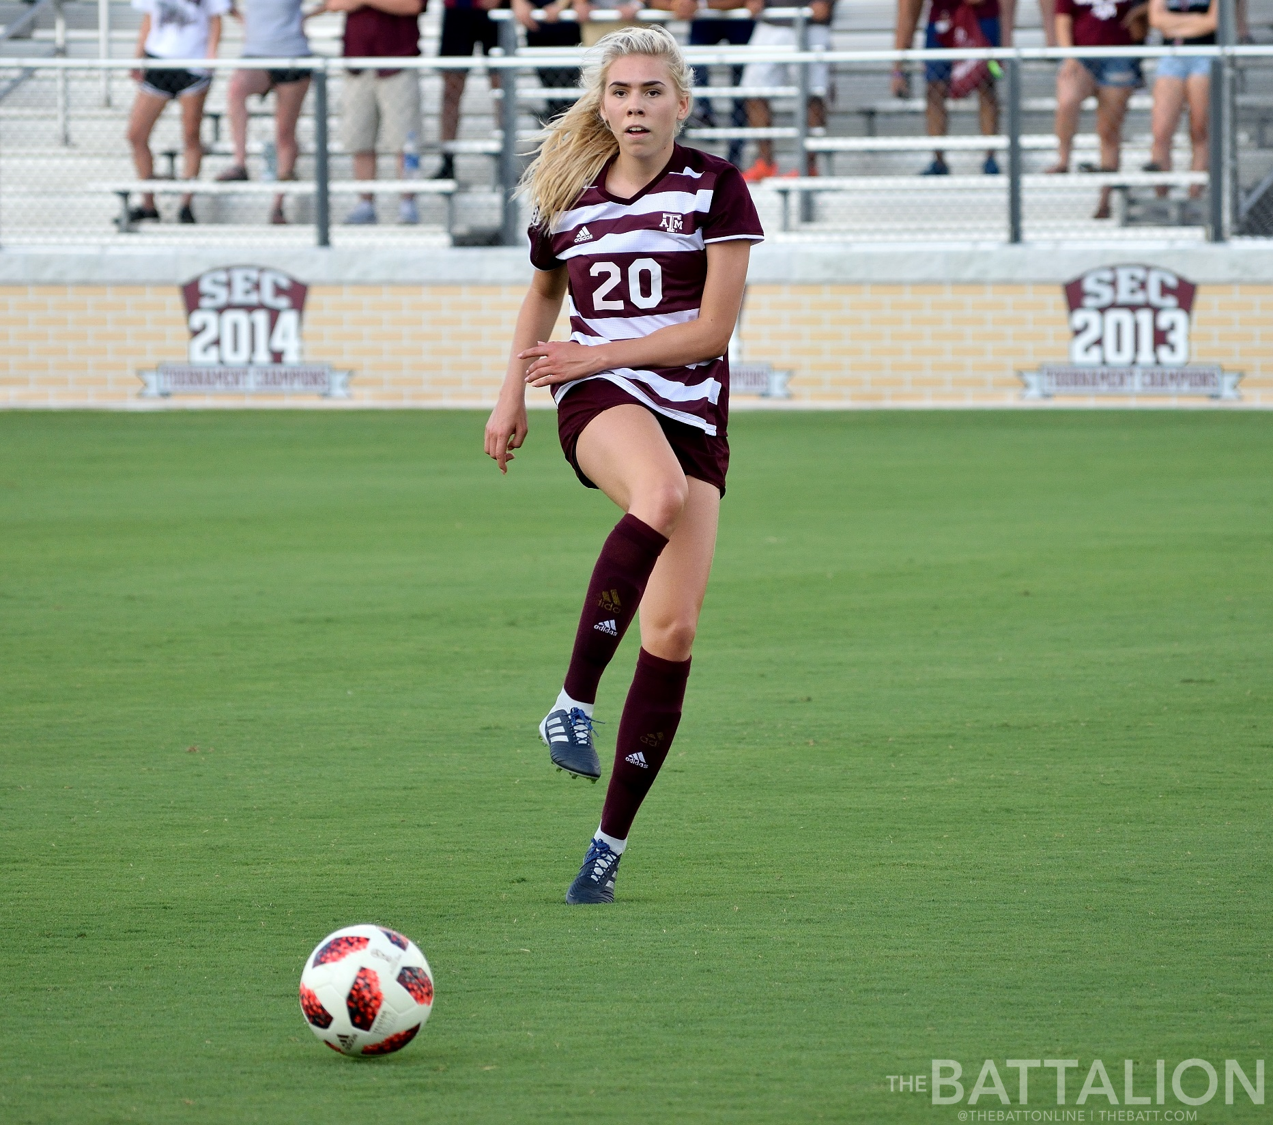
[584, 235]
[637, 759]
[607, 627]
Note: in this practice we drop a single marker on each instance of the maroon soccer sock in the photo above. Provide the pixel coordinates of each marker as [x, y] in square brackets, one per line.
[618, 581]
[650, 718]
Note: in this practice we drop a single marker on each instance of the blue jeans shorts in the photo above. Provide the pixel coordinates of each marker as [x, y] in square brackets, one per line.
[1183, 67]
[940, 71]
[1115, 72]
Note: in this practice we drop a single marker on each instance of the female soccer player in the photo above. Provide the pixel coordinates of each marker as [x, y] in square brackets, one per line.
[649, 241]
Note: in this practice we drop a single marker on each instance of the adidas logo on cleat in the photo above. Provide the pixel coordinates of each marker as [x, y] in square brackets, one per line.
[584, 235]
[637, 759]
[607, 627]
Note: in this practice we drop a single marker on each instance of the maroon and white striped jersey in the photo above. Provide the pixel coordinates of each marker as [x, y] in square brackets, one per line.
[637, 265]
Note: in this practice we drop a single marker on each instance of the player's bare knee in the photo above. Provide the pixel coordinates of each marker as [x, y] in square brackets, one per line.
[665, 501]
[672, 639]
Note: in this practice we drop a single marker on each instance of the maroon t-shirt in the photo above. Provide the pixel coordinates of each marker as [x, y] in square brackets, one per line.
[1098, 23]
[945, 9]
[637, 265]
[373, 34]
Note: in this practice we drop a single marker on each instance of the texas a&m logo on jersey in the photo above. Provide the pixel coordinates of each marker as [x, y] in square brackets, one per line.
[672, 223]
[1130, 335]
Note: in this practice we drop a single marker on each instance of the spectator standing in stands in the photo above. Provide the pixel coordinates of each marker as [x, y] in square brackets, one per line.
[783, 35]
[379, 106]
[551, 31]
[1182, 80]
[172, 29]
[272, 30]
[592, 30]
[995, 19]
[1097, 23]
[707, 30]
[465, 24]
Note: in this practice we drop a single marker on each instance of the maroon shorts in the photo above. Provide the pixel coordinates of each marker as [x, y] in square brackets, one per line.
[702, 457]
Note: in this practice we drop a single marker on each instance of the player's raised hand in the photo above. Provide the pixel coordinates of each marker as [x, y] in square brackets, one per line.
[559, 361]
[506, 429]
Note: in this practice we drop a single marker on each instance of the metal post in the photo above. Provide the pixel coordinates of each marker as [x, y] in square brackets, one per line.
[59, 49]
[800, 26]
[1014, 149]
[104, 46]
[1221, 121]
[1215, 156]
[509, 165]
[322, 174]
[1227, 36]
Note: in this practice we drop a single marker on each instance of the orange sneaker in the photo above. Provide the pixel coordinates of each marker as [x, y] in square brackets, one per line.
[761, 170]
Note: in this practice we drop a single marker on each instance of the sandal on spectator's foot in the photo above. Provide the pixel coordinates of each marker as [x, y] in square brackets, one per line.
[1152, 166]
[277, 217]
[1057, 170]
[142, 214]
[234, 172]
[936, 168]
[186, 215]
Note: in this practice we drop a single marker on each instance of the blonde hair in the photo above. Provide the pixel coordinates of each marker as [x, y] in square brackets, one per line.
[574, 148]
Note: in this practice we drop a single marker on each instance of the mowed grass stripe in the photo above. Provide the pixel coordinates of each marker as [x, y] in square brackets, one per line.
[975, 764]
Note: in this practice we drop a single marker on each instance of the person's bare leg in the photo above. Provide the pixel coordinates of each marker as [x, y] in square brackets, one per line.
[1047, 12]
[141, 121]
[624, 452]
[1111, 108]
[1074, 82]
[191, 138]
[936, 119]
[988, 112]
[1169, 99]
[674, 597]
[760, 117]
[288, 100]
[365, 169]
[452, 92]
[817, 118]
[1197, 93]
[243, 85]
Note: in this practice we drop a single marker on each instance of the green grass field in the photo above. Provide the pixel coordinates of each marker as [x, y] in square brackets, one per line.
[975, 764]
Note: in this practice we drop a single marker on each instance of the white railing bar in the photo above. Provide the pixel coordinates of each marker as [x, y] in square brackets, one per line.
[693, 55]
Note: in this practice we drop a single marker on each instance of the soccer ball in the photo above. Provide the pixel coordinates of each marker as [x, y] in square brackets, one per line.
[366, 990]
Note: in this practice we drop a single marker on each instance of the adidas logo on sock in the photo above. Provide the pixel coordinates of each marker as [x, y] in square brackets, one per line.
[607, 627]
[637, 759]
[584, 235]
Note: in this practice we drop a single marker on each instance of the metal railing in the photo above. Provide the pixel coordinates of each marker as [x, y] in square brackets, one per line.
[799, 196]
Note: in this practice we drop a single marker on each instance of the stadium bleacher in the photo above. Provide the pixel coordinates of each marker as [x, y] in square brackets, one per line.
[63, 159]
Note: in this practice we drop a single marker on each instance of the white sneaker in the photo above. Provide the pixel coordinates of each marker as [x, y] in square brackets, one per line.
[363, 215]
[407, 213]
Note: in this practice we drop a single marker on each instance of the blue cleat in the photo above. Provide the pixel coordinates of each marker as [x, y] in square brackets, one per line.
[990, 167]
[938, 167]
[568, 736]
[595, 881]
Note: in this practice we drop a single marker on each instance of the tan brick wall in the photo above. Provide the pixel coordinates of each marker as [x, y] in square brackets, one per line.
[962, 345]
[847, 345]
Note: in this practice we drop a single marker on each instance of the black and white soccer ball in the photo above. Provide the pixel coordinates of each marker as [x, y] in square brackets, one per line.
[366, 990]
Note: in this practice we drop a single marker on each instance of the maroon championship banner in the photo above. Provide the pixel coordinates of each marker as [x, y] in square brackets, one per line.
[1130, 328]
[245, 338]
